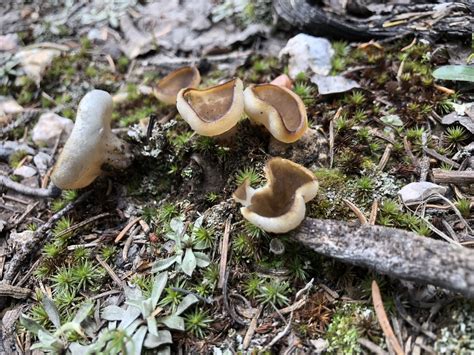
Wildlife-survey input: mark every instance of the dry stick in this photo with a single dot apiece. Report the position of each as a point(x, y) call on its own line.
point(331, 136)
point(373, 211)
point(441, 176)
point(251, 330)
point(371, 346)
point(19, 293)
point(110, 271)
point(224, 251)
point(438, 156)
point(394, 252)
point(33, 245)
point(385, 157)
point(51, 191)
point(383, 320)
point(356, 210)
point(126, 229)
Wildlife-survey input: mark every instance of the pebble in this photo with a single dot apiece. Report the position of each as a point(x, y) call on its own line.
point(49, 127)
point(416, 192)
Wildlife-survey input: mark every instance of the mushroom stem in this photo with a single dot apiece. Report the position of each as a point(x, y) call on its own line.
point(51, 192)
point(92, 148)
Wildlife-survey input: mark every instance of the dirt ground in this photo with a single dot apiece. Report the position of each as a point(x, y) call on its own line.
point(157, 257)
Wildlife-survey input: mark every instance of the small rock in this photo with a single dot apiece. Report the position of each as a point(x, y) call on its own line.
point(20, 239)
point(333, 84)
point(465, 121)
point(42, 162)
point(308, 53)
point(416, 192)
point(320, 345)
point(49, 127)
point(8, 42)
point(8, 105)
point(25, 171)
point(34, 61)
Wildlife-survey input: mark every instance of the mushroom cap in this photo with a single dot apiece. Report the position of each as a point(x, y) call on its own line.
point(167, 88)
point(88, 145)
point(279, 109)
point(280, 205)
point(213, 111)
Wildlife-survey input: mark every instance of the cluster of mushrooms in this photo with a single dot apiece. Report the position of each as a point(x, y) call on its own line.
point(277, 207)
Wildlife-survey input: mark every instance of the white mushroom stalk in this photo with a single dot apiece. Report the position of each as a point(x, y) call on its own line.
point(92, 148)
point(279, 109)
point(280, 205)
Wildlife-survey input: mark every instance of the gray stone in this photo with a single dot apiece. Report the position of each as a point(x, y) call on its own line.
point(333, 84)
point(416, 192)
point(25, 171)
point(308, 53)
point(49, 127)
point(42, 162)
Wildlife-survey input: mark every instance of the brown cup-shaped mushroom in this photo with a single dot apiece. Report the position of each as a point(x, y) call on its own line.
point(279, 109)
point(213, 111)
point(167, 88)
point(280, 205)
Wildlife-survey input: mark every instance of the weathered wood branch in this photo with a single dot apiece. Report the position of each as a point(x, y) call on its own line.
point(441, 176)
point(393, 252)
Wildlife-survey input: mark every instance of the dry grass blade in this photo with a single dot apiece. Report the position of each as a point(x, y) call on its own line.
point(110, 271)
point(383, 320)
point(356, 210)
point(126, 229)
point(224, 251)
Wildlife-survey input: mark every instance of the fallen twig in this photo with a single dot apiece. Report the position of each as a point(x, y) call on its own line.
point(441, 176)
point(394, 252)
point(14, 291)
point(110, 271)
point(39, 237)
point(356, 210)
point(383, 320)
point(251, 329)
point(224, 251)
point(52, 191)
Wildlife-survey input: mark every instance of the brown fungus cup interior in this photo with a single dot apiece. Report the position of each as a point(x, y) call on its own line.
point(283, 179)
point(177, 80)
point(283, 102)
point(211, 104)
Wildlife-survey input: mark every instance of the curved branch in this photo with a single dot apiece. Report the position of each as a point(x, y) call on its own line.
point(393, 252)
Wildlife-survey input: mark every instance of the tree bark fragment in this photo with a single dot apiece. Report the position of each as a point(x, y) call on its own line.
point(394, 252)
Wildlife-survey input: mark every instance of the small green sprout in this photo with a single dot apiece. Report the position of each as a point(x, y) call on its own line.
point(59, 230)
point(359, 115)
point(274, 292)
point(455, 135)
point(167, 212)
point(204, 237)
point(63, 279)
point(341, 48)
point(251, 174)
point(81, 253)
point(85, 274)
point(306, 92)
point(252, 286)
point(198, 322)
point(357, 98)
point(108, 252)
point(365, 184)
point(52, 250)
point(464, 207)
point(212, 197)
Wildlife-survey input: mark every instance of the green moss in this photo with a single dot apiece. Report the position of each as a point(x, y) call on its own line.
point(122, 64)
point(330, 178)
point(16, 158)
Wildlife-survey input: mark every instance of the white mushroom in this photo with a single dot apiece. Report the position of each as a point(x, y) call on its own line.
point(92, 148)
point(280, 205)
